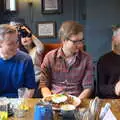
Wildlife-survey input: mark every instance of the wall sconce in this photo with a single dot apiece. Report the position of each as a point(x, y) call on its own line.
point(30, 2)
point(10, 5)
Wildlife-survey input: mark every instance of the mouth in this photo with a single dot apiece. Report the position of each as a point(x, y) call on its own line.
point(76, 50)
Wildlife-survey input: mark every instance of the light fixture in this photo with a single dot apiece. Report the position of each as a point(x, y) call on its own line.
point(30, 2)
point(10, 5)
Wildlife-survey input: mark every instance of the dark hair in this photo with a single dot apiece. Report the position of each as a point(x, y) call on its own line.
point(21, 47)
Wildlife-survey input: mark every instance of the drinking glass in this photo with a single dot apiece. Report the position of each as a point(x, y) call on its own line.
point(22, 92)
point(18, 112)
point(3, 109)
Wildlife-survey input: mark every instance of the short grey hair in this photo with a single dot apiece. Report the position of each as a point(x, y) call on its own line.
point(6, 29)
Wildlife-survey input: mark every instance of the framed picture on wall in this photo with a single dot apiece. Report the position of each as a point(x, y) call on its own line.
point(46, 29)
point(51, 6)
point(10, 5)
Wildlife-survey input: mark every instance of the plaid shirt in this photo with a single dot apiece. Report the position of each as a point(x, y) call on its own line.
point(60, 77)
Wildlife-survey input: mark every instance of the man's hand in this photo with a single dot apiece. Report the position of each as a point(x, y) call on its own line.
point(45, 91)
point(86, 93)
point(29, 93)
point(117, 88)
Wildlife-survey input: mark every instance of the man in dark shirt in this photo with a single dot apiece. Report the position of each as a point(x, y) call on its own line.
point(108, 83)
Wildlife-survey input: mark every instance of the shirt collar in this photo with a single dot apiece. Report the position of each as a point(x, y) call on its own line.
point(61, 54)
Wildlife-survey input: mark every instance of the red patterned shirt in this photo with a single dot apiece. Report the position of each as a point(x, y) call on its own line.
point(61, 77)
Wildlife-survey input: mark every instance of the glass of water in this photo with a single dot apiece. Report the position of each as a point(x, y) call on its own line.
point(22, 92)
point(18, 111)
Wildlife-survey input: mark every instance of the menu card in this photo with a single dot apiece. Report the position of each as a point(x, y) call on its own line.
point(109, 116)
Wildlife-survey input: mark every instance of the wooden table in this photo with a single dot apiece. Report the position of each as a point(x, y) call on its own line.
point(115, 107)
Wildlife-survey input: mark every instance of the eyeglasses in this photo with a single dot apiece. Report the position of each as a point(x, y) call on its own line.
point(77, 41)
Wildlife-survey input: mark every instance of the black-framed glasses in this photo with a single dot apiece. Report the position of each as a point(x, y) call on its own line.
point(77, 41)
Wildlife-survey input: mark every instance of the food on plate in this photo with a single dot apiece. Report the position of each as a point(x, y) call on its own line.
point(58, 100)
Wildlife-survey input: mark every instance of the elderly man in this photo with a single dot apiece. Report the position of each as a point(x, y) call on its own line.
point(67, 69)
point(16, 67)
point(108, 84)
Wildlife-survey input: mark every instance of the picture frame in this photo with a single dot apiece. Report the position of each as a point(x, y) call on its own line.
point(51, 6)
point(10, 5)
point(46, 29)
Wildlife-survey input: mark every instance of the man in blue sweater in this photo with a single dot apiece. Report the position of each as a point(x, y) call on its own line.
point(16, 67)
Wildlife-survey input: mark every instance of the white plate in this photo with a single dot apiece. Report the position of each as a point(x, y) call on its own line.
point(76, 102)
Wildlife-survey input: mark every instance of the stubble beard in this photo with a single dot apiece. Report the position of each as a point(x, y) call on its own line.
point(116, 47)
